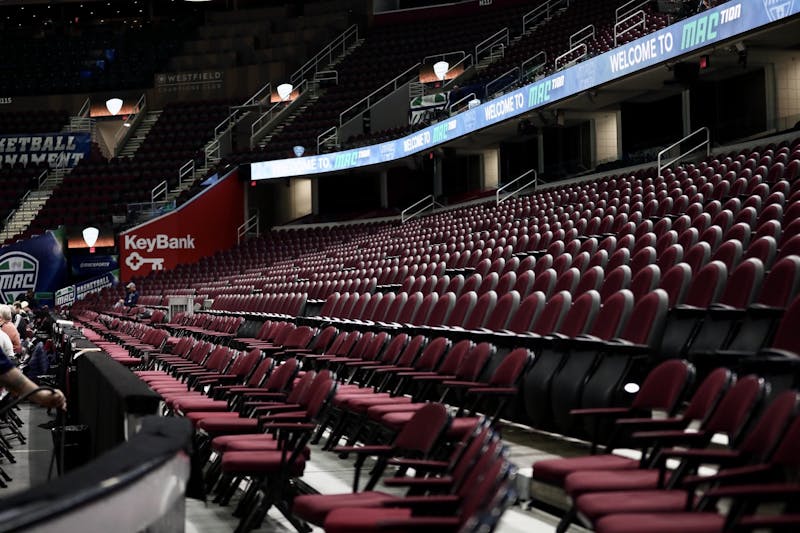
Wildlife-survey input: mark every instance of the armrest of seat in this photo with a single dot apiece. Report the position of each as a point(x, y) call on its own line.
point(757, 491)
point(419, 482)
point(650, 424)
point(419, 465)
point(671, 437)
point(739, 474)
point(493, 391)
point(442, 502)
point(372, 449)
point(607, 412)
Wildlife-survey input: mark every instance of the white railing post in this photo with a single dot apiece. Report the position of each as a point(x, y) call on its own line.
point(367, 101)
point(525, 73)
point(706, 142)
point(466, 98)
point(417, 208)
point(535, 181)
point(500, 36)
point(158, 191)
point(500, 78)
point(642, 21)
point(247, 226)
point(187, 169)
point(579, 46)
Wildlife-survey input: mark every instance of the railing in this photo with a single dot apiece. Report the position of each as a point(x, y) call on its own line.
point(525, 73)
point(86, 109)
point(581, 46)
point(187, 169)
point(706, 143)
point(42, 178)
point(331, 134)
point(132, 122)
point(507, 77)
point(582, 35)
point(488, 44)
point(541, 12)
point(467, 98)
point(142, 211)
point(159, 191)
point(213, 151)
point(248, 225)
point(500, 198)
point(327, 75)
point(443, 56)
point(325, 56)
point(378, 94)
point(416, 209)
point(642, 21)
point(258, 127)
point(629, 7)
point(465, 62)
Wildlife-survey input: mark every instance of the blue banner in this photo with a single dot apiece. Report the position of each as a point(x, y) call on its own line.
point(723, 22)
point(72, 293)
point(89, 265)
point(38, 264)
point(57, 150)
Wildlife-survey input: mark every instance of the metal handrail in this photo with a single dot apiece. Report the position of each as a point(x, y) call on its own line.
point(368, 99)
point(527, 184)
point(430, 203)
point(524, 73)
point(248, 225)
point(188, 168)
point(213, 151)
point(570, 51)
point(86, 108)
point(469, 97)
point(325, 136)
point(133, 121)
point(542, 11)
point(500, 36)
point(158, 191)
point(642, 23)
point(501, 77)
point(462, 62)
point(624, 9)
point(340, 40)
point(444, 55)
point(327, 75)
point(42, 178)
point(581, 35)
point(706, 143)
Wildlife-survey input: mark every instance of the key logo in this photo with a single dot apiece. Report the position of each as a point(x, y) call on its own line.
point(19, 272)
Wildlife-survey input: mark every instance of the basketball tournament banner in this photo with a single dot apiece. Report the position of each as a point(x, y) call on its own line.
point(57, 150)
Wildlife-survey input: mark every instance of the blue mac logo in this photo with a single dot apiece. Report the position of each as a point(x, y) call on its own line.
point(777, 9)
point(18, 273)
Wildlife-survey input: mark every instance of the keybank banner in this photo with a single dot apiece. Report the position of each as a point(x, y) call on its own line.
point(36, 263)
point(69, 295)
point(58, 150)
point(720, 23)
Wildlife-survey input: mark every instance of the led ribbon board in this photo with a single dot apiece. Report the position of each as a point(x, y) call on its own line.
point(718, 24)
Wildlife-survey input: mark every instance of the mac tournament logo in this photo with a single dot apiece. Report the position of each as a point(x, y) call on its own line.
point(778, 9)
point(18, 273)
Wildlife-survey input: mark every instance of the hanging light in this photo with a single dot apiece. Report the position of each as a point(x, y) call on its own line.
point(114, 105)
point(440, 68)
point(90, 235)
point(285, 91)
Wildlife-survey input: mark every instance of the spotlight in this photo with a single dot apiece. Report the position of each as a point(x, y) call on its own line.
point(440, 69)
point(90, 235)
point(285, 91)
point(114, 105)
